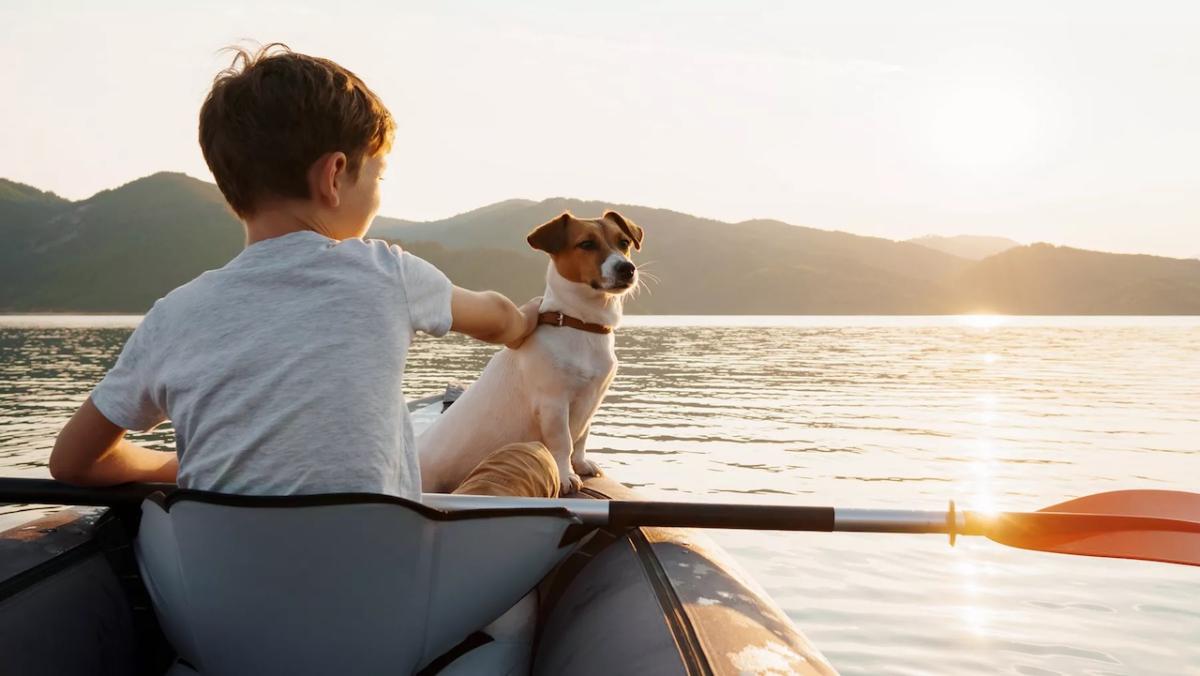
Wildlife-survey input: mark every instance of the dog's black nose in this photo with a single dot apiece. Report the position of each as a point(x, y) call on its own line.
point(625, 270)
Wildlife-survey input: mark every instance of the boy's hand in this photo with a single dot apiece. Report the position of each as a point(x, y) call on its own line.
point(529, 312)
point(492, 318)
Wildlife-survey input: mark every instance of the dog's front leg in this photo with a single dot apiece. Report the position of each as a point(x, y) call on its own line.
point(579, 460)
point(554, 423)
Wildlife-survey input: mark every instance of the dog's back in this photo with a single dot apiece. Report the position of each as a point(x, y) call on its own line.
point(490, 413)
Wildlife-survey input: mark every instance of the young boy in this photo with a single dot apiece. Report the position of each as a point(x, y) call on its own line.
point(282, 371)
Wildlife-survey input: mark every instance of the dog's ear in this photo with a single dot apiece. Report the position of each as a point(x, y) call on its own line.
point(628, 227)
point(550, 236)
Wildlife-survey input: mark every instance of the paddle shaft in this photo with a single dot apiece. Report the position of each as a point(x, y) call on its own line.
point(617, 514)
point(626, 513)
point(14, 490)
point(1152, 525)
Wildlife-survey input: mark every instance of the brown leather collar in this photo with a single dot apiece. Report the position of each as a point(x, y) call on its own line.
point(559, 319)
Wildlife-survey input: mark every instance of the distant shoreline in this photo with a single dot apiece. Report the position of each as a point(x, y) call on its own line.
point(667, 314)
point(978, 321)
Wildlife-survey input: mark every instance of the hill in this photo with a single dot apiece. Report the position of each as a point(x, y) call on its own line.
point(117, 251)
point(974, 247)
point(1054, 280)
point(20, 205)
point(121, 249)
point(704, 266)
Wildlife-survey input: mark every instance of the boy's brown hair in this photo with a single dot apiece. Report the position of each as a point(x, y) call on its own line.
point(272, 113)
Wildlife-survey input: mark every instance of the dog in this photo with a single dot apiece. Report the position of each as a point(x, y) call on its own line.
point(548, 389)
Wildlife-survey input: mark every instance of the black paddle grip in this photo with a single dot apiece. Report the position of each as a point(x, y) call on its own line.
point(701, 515)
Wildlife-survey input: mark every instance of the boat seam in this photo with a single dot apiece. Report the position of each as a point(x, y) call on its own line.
point(680, 625)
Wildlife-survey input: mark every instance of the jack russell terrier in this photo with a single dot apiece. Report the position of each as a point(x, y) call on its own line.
point(548, 389)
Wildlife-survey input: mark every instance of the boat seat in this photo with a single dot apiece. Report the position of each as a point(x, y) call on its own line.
point(325, 584)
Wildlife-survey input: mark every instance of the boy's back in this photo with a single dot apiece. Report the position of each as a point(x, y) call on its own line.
point(283, 371)
point(280, 369)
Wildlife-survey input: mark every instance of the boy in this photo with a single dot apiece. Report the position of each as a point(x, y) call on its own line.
point(282, 371)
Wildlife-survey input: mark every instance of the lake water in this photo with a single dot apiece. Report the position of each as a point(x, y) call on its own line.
point(1005, 413)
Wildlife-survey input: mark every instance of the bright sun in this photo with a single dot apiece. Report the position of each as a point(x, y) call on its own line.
point(983, 128)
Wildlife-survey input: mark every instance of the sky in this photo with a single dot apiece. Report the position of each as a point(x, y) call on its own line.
point(1075, 123)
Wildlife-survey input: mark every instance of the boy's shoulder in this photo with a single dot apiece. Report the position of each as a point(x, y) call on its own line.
point(299, 254)
point(300, 264)
point(377, 247)
point(390, 253)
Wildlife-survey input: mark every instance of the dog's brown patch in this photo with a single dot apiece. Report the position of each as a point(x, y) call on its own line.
point(579, 246)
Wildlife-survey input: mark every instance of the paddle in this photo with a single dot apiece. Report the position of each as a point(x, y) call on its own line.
point(1151, 525)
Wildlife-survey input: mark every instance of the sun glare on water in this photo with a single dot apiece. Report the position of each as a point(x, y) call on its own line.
point(983, 321)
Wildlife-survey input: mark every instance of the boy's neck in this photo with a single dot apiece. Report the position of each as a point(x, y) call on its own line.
point(284, 218)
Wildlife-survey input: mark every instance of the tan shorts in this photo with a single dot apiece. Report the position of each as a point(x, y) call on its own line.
point(520, 470)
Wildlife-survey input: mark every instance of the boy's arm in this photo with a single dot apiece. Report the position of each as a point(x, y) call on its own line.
point(491, 317)
point(92, 451)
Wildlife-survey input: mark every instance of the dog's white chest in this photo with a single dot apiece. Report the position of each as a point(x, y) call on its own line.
point(582, 359)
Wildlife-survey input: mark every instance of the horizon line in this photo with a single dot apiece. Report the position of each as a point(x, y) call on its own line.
point(1195, 256)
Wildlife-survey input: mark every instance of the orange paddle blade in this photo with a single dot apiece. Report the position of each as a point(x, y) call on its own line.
point(1147, 525)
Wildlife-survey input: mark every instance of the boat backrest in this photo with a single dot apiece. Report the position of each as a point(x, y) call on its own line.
point(328, 584)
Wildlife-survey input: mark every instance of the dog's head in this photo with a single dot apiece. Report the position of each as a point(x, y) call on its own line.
point(592, 251)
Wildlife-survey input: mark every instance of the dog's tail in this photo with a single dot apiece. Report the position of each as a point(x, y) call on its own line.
point(524, 469)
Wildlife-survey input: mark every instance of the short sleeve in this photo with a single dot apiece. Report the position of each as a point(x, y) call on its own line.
point(125, 395)
point(428, 292)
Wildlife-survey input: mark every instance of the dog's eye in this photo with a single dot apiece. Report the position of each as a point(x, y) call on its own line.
point(624, 243)
point(587, 245)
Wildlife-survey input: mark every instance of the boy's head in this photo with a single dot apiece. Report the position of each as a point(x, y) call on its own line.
point(280, 126)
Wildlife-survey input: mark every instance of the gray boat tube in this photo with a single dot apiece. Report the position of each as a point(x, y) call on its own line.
point(661, 600)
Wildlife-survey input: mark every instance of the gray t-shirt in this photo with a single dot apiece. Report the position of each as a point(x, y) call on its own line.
point(282, 371)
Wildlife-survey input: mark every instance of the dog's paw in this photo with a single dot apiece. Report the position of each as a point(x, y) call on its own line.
point(586, 467)
point(570, 484)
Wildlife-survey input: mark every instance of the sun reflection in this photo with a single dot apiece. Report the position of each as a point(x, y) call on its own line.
point(981, 497)
point(975, 617)
point(985, 449)
point(983, 321)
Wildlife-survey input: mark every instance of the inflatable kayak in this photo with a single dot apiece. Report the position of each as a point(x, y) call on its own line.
point(79, 591)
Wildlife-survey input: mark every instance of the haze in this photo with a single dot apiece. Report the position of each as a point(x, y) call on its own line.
point(1070, 122)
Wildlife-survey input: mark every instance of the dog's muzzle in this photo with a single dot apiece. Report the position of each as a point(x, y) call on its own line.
point(625, 271)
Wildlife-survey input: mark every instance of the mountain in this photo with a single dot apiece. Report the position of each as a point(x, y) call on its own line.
point(704, 266)
point(19, 205)
point(121, 249)
point(974, 247)
point(489, 226)
point(1048, 279)
point(117, 251)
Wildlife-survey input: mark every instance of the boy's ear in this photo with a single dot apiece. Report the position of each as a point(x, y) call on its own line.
point(633, 230)
point(550, 236)
point(327, 178)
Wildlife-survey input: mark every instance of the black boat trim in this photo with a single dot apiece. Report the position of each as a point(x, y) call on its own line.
point(471, 642)
point(687, 641)
point(168, 500)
